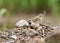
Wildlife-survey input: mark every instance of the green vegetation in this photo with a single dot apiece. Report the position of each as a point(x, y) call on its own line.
point(23, 5)
point(29, 5)
point(55, 7)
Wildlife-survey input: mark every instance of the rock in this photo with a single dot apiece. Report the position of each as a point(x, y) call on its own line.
point(29, 41)
point(18, 41)
point(39, 28)
point(37, 24)
point(4, 35)
point(21, 37)
point(2, 40)
point(10, 41)
point(38, 40)
point(22, 23)
point(24, 30)
point(31, 32)
point(8, 32)
point(27, 38)
point(18, 31)
point(13, 37)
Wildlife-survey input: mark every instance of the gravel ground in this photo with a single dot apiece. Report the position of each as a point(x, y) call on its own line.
point(29, 31)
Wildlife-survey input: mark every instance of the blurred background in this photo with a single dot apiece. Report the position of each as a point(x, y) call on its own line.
point(12, 11)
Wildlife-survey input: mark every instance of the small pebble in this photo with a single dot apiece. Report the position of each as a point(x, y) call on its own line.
point(13, 37)
point(31, 32)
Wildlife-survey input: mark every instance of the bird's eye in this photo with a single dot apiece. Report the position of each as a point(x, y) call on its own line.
point(29, 21)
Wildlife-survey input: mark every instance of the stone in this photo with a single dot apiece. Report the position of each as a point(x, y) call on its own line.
point(10, 41)
point(31, 32)
point(13, 37)
point(21, 23)
point(39, 28)
point(38, 40)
